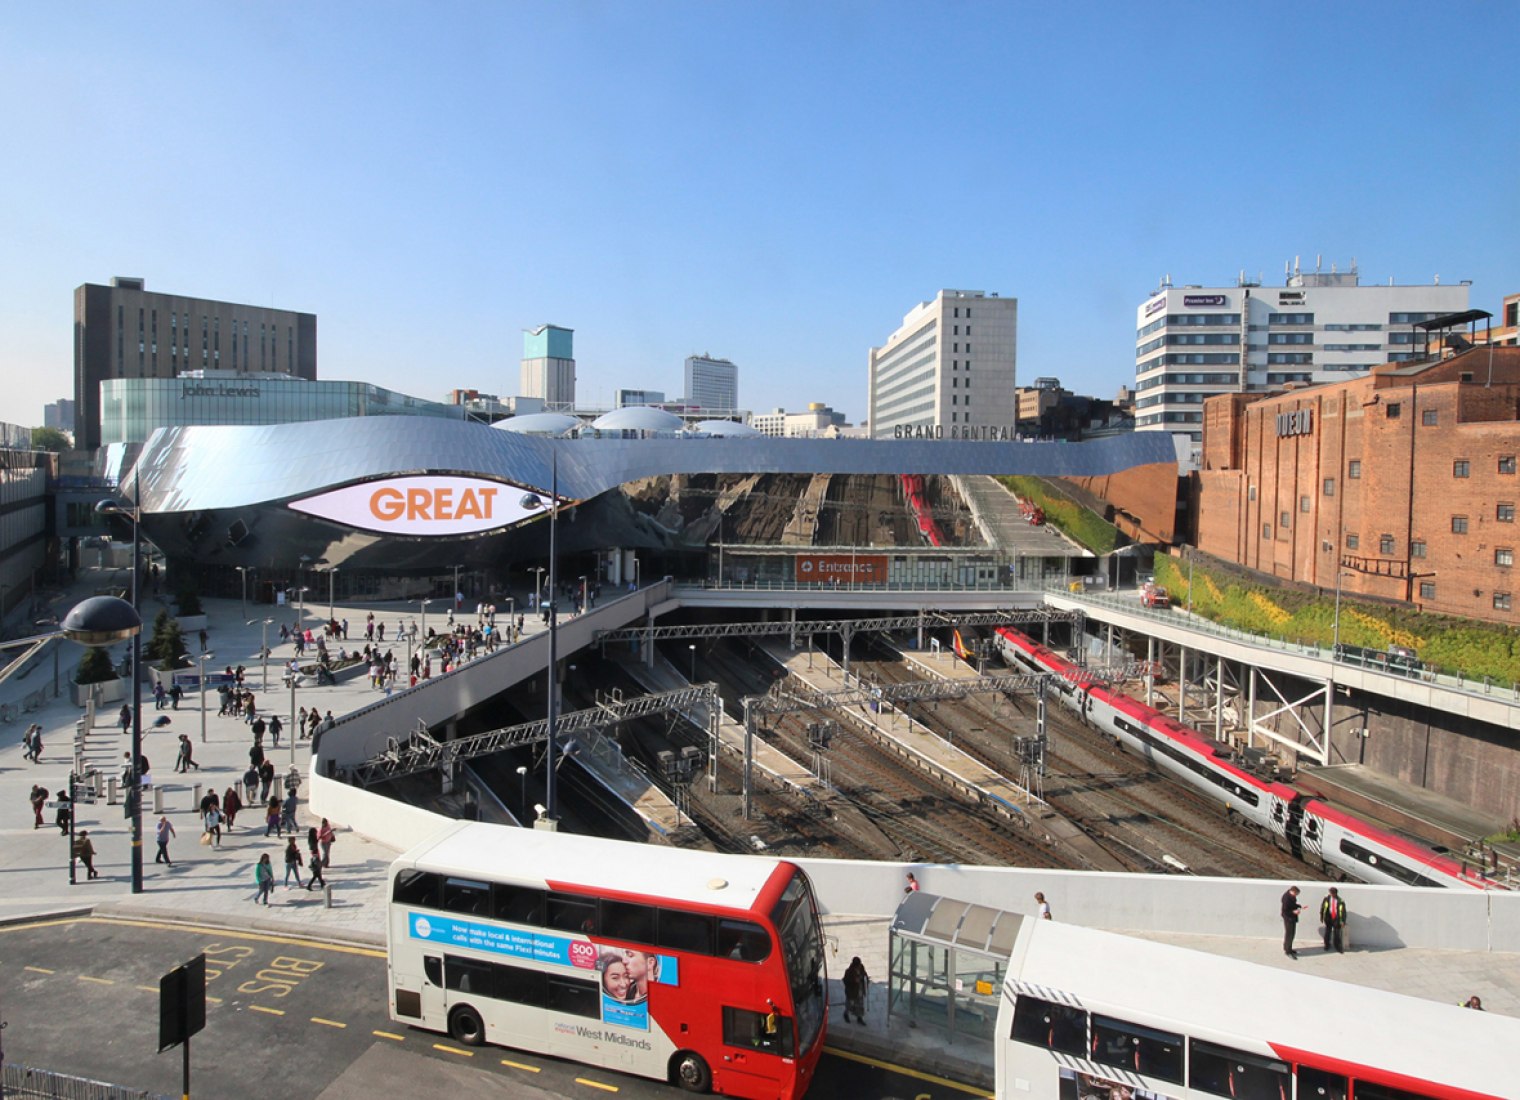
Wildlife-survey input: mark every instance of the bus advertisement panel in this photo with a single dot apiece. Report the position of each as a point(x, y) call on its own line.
point(669, 985)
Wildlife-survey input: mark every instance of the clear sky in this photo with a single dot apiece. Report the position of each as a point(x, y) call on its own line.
point(776, 183)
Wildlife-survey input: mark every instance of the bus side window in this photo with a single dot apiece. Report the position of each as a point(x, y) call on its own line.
point(623, 920)
point(765, 1031)
point(739, 939)
point(682, 931)
point(416, 888)
point(469, 976)
point(1238, 1074)
point(1316, 1084)
point(518, 904)
point(432, 969)
point(1051, 1025)
point(570, 913)
point(462, 895)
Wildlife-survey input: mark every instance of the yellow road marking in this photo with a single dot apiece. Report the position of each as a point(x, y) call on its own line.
point(595, 1084)
point(389, 1035)
point(169, 926)
point(906, 1072)
point(328, 1023)
point(38, 970)
point(149, 989)
point(270, 1011)
point(522, 1066)
point(453, 1050)
point(97, 981)
point(209, 999)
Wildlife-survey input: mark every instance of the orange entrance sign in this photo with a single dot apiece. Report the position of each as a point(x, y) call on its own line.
point(841, 568)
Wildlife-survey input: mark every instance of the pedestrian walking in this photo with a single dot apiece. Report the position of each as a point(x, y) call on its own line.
point(1290, 911)
point(251, 784)
point(213, 820)
point(31, 740)
point(186, 759)
point(325, 837)
point(1332, 915)
point(293, 780)
point(160, 697)
point(315, 865)
point(272, 818)
point(231, 804)
point(84, 851)
point(255, 754)
point(204, 639)
point(275, 726)
point(312, 844)
point(39, 800)
point(292, 862)
point(266, 778)
point(162, 832)
point(176, 693)
point(263, 879)
point(65, 812)
point(288, 812)
point(124, 718)
point(1042, 907)
point(857, 984)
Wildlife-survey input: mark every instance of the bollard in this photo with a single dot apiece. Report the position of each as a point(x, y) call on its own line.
point(196, 796)
point(111, 791)
point(327, 894)
point(158, 800)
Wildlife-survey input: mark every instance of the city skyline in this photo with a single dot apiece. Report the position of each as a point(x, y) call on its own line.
point(779, 185)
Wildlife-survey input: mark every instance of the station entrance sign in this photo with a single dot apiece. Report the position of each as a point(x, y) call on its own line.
point(842, 568)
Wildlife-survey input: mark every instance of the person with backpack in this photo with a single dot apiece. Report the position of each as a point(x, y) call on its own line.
point(263, 879)
point(857, 984)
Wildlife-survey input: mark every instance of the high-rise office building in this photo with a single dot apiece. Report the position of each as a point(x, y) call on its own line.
point(712, 383)
point(548, 366)
point(948, 372)
point(127, 331)
point(1194, 342)
point(59, 414)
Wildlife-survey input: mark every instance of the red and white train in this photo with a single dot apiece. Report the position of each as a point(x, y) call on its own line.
point(1313, 830)
point(1090, 1015)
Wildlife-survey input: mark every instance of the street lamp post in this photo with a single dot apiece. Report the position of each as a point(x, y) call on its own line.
point(424, 605)
point(204, 658)
point(635, 571)
point(538, 583)
point(455, 597)
point(693, 649)
point(1335, 630)
point(305, 561)
point(332, 576)
point(522, 782)
point(585, 604)
point(263, 653)
point(243, 574)
point(530, 501)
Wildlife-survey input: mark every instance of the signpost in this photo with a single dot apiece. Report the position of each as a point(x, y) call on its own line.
point(182, 1009)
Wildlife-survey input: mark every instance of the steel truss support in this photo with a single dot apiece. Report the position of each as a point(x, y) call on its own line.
point(701, 631)
point(1315, 743)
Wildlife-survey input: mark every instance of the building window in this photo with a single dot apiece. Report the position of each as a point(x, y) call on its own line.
point(1427, 590)
point(1501, 601)
point(1329, 486)
point(1285, 519)
point(1460, 468)
point(1304, 503)
point(1506, 464)
point(1428, 417)
point(1459, 525)
point(1353, 542)
point(1417, 548)
point(1395, 409)
point(1504, 556)
point(1251, 492)
point(1385, 544)
point(1505, 513)
point(1266, 530)
point(1354, 469)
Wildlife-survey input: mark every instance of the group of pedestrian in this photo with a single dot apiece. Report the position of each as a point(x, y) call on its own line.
point(31, 743)
point(1332, 917)
point(319, 842)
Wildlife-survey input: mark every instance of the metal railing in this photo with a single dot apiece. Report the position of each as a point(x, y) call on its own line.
point(26, 1083)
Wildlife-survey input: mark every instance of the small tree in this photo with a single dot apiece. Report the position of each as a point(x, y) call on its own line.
point(189, 602)
point(167, 643)
point(95, 668)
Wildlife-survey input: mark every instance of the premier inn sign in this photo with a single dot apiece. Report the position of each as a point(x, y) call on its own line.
point(424, 506)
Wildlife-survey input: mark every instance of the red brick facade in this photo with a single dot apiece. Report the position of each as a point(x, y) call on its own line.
point(1406, 479)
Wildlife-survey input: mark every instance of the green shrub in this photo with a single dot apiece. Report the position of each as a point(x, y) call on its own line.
point(1078, 523)
point(95, 668)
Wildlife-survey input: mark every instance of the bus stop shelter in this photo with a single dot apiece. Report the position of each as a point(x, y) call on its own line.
point(947, 961)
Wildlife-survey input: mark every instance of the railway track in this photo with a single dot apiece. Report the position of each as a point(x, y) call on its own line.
point(1139, 814)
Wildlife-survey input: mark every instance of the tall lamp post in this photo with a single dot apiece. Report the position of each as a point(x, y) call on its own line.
point(532, 501)
point(204, 658)
point(584, 603)
point(243, 573)
point(263, 651)
point(424, 604)
point(538, 584)
point(332, 576)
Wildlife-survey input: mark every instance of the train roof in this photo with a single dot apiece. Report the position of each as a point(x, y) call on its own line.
point(503, 851)
point(1161, 985)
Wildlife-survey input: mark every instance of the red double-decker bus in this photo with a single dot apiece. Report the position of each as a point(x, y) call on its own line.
point(701, 969)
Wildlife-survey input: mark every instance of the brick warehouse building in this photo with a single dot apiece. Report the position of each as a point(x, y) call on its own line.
point(1405, 479)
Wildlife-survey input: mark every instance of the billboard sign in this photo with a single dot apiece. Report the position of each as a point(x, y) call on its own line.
point(841, 568)
point(425, 505)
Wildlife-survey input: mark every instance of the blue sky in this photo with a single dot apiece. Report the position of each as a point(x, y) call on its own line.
point(773, 183)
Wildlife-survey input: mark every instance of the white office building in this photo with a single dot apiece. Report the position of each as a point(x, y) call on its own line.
point(819, 420)
point(548, 366)
point(948, 372)
point(1194, 342)
point(712, 383)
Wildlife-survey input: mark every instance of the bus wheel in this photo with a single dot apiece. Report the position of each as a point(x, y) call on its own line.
point(692, 1073)
point(466, 1026)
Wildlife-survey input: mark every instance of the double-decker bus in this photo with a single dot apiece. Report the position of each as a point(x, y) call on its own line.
point(704, 970)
